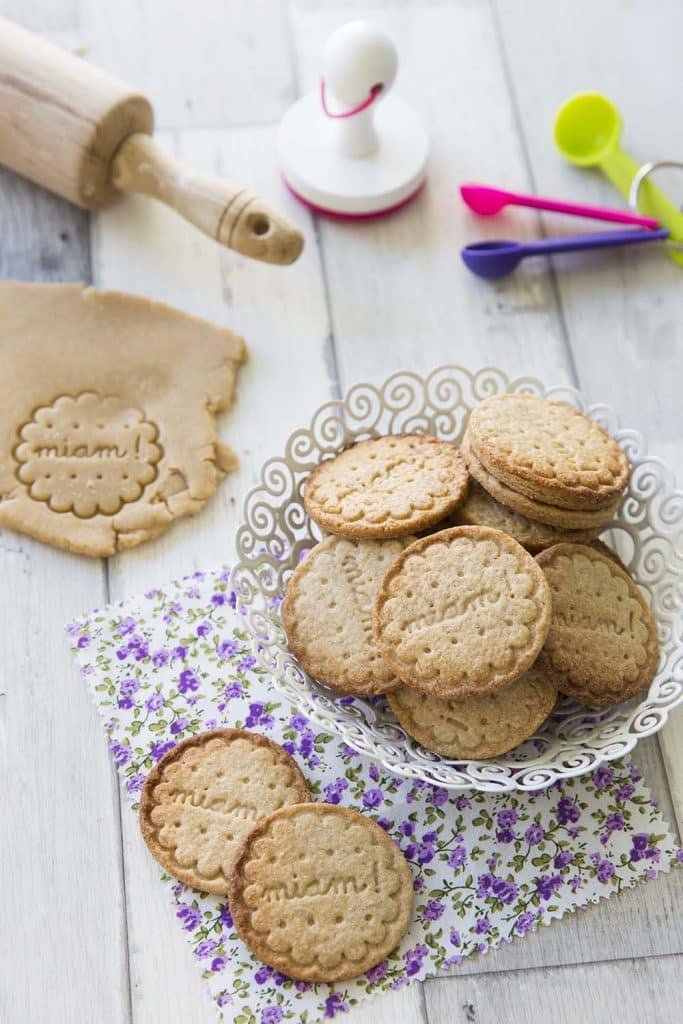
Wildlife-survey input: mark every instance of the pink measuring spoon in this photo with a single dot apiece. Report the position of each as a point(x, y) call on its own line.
point(486, 200)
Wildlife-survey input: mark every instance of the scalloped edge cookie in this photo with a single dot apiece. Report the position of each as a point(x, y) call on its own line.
point(341, 500)
point(165, 855)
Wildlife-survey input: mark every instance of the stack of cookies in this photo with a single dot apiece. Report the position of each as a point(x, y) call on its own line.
point(546, 465)
point(317, 891)
point(426, 589)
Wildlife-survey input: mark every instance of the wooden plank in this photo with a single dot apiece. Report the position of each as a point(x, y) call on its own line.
point(396, 284)
point(622, 312)
point(627, 992)
point(230, 67)
point(400, 296)
point(145, 248)
point(63, 899)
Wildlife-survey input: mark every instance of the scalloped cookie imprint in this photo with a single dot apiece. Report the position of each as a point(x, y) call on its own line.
point(320, 892)
point(107, 426)
point(540, 511)
point(205, 795)
point(602, 647)
point(547, 450)
point(327, 613)
point(481, 509)
point(387, 487)
point(87, 454)
point(462, 612)
point(476, 727)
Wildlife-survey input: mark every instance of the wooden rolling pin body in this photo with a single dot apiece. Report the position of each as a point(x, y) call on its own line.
point(86, 136)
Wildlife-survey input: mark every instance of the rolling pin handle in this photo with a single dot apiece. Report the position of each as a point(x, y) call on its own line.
point(228, 213)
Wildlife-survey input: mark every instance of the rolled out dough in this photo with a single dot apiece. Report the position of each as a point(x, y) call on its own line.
point(107, 428)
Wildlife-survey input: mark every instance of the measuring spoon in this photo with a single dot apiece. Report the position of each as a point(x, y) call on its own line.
point(487, 201)
point(587, 133)
point(496, 259)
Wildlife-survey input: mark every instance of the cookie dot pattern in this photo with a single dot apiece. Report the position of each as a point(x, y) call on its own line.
point(203, 797)
point(87, 455)
point(602, 646)
point(476, 727)
point(387, 487)
point(320, 892)
point(549, 449)
point(327, 613)
point(462, 612)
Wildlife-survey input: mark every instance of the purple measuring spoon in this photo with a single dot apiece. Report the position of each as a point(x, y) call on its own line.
point(496, 259)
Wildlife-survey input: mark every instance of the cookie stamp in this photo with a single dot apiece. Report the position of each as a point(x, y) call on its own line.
point(476, 727)
point(203, 796)
point(320, 892)
point(602, 647)
point(462, 612)
point(387, 487)
point(327, 613)
point(87, 454)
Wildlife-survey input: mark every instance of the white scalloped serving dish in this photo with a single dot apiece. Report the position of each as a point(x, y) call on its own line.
point(648, 534)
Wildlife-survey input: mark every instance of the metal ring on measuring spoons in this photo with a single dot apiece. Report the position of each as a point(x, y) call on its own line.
point(642, 175)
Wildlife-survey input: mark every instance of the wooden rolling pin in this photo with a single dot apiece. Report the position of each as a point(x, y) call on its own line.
point(86, 136)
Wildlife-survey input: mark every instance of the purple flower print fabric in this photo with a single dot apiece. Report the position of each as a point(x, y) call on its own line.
point(486, 868)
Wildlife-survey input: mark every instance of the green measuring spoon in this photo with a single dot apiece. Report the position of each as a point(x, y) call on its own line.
point(587, 132)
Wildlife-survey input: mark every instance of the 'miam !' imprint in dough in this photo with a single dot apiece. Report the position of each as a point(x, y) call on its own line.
point(87, 454)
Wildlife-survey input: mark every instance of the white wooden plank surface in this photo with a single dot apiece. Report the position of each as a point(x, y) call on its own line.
point(398, 298)
point(208, 65)
point(631, 992)
point(60, 841)
point(622, 314)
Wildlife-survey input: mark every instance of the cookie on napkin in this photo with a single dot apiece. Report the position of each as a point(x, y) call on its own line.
point(107, 429)
point(547, 450)
point(320, 892)
point(602, 647)
point(327, 613)
point(476, 727)
point(387, 487)
point(462, 612)
point(204, 796)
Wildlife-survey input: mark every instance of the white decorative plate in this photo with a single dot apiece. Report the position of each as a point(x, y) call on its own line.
point(648, 534)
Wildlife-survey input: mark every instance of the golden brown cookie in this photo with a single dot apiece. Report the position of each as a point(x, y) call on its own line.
point(203, 797)
point(462, 612)
point(320, 892)
point(552, 515)
point(107, 432)
point(602, 647)
point(387, 487)
point(476, 727)
point(327, 613)
point(547, 450)
point(481, 509)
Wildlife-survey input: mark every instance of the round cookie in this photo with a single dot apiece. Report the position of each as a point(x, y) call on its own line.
point(203, 797)
point(481, 509)
point(602, 646)
point(552, 515)
point(387, 487)
point(547, 450)
point(462, 612)
point(320, 892)
point(327, 613)
point(476, 727)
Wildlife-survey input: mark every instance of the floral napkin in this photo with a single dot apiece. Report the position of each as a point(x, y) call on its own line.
point(176, 661)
